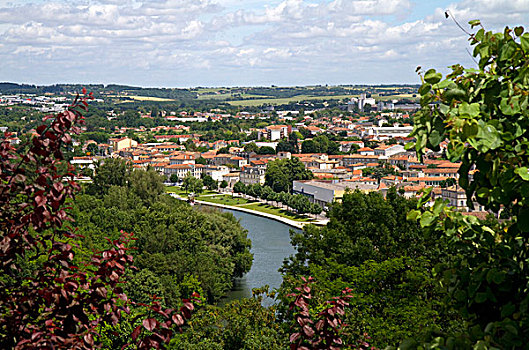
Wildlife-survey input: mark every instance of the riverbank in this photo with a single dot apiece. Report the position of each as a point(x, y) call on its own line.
point(289, 222)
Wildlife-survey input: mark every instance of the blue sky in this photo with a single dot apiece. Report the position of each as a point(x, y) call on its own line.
point(186, 43)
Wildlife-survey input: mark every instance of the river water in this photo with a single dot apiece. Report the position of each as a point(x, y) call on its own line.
point(270, 246)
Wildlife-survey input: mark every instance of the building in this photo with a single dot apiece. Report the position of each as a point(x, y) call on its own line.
point(252, 175)
point(457, 198)
point(121, 143)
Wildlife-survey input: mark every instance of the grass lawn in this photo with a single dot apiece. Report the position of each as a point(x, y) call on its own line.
point(265, 208)
point(225, 199)
point(180, 191)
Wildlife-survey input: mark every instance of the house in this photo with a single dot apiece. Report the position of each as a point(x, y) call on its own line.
point(457, 198)
point(275, 132)
point(183, 159)
point(252, 175)
point(120, 143)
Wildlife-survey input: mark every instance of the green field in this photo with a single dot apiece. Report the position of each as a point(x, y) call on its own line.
point(280, 101)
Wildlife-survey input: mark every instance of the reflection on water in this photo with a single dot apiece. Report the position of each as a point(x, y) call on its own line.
point(270, 246)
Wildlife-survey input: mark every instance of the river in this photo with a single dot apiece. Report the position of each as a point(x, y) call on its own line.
point(270, 246)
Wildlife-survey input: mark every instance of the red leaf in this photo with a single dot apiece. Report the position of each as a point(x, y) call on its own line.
point(178, 320)
point(150, 324)
point(136, 333)
point(294, 337)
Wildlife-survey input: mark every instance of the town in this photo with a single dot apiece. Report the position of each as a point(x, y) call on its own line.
point(361, 145)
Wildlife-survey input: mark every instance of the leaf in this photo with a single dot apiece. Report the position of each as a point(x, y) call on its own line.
point(524, 40)
point(523, 172)
point(136, 332)
point(507, 310)
point(425, 88)
point(518, 31)
point(412, 215)
point(294, 337)
point(474, 22)
point(432, 77)
point(149, 324)
point(427, 218)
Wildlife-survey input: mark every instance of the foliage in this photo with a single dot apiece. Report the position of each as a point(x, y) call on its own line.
point(251, 147)
point(281, 173)
point(320, 144)
point(174, 178)
point(379, 172)
point(266, 150)
point(192, 184)
point(110, 172)
point(370, 247)
point(324, 331)
point(49, 296)
point(210, 183)
point(291, 145)
point(483, 113)
point(241, 324)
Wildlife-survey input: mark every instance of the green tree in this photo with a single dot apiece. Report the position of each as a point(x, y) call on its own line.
point(174, 178)
point(281, 173)
point(483, 113)
point(224, 184)
point(239, 187)
point(251, 147)
point(369, 246)
point(285, 145)
point(201, 160)
point(192, 184)
point(146, 184)
point(210, 183)
point(266, 150)
point(110, 172)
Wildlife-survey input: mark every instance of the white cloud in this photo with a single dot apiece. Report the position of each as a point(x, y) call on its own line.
point(216, 42)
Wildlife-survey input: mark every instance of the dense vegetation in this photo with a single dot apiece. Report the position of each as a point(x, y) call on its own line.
point(175, 243)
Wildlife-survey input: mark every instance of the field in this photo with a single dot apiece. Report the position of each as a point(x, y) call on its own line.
point(279, 101)
point(143, 98)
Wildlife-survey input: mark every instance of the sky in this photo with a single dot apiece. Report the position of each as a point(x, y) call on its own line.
point(191, 43)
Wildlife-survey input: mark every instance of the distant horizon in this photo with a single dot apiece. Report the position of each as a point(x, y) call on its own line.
point(228, 43)
point(206, 87)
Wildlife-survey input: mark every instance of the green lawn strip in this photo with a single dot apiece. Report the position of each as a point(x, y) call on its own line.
point(178, 190)
point(224, 199)
point(266, 208)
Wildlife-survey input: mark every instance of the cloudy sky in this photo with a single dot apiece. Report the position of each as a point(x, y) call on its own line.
point(187, 43)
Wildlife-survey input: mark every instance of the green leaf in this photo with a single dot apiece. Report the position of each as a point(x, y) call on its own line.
point(480, 298)
point(427, 218)
point(425, 88)
point(518, 31)
point(412, 215)
point(432, 77)
point(471, 110)
point(435, 138)
point(507, 310)
point(524, 40)
point(474, 22)
point(523, 172)
point(510, 106)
